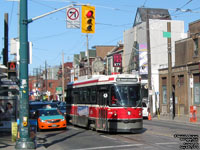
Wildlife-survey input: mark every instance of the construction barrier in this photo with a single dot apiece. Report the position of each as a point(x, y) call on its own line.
point(149, 116)
point(193, 114)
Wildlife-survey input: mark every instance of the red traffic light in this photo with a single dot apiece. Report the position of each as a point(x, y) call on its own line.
point(89, 14)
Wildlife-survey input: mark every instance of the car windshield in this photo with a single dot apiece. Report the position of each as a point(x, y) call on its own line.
point(126, 95)
point(62, 107)
point(48, 112)
point(144, 105)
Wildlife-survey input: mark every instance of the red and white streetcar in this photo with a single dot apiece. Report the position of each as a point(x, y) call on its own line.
point(106, 103)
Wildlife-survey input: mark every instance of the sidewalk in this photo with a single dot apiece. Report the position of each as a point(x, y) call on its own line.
point(7, 144)
point(176, 120)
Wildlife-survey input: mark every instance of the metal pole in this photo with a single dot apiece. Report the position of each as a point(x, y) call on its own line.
point(46, 86)
point(149, 64)
point(170, 70)
point(63, 78)
point(5, 50)
point(88, 57)
point(24, 141)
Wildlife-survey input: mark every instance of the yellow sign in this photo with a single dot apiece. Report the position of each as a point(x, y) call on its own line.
point(14, 131)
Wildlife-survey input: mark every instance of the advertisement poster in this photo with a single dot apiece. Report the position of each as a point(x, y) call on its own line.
point(143, 60)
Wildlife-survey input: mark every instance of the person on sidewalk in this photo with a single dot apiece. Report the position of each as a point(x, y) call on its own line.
point(2, 111)
point(9, 111)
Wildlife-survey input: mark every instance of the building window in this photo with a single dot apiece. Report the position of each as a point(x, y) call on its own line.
point(196, 47)
point(196, 85)
point(109, 66)
point(164, 92)
point(50, 84)
point(197, 93)
point(180, 80)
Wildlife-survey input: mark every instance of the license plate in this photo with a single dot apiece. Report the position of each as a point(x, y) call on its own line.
point(54, 125)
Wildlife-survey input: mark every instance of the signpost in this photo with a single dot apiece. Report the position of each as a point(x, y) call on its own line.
point(73, 19)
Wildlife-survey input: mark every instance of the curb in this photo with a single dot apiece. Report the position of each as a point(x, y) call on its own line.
point(197, 124)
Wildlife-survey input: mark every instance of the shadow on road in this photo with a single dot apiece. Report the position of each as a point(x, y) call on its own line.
point(46, 145)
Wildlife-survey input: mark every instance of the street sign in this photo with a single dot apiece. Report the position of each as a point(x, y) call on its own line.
point(167, 34)
point(73, 18)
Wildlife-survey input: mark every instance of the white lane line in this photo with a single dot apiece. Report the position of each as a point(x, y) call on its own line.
point(108, 137)
point(167, 143)
point(105, 147)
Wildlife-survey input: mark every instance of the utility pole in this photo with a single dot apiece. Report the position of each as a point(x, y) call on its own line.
point(170, 70)
point(88, 57)
point(63, 78)
point(46, 87)
point(24, 141)
point(149, 62)
point(5, 49)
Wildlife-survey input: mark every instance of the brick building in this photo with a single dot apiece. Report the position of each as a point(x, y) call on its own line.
point(185, 78)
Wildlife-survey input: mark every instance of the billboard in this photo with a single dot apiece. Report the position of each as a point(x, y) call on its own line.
point(143, 59)
point(117, 60)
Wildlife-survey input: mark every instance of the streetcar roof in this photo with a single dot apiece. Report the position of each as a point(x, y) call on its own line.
point(106, 79)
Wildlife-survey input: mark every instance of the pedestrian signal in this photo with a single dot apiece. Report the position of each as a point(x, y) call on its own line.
point(12, 66)
point(88, 19)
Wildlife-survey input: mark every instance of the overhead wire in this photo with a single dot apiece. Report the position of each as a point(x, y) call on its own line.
point(177, 9)
point(126, 11)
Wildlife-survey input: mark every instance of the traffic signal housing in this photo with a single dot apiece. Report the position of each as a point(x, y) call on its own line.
point(12, 71)
point(88, 19)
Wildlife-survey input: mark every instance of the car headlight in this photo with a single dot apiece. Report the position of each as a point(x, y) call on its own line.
point(63, 120)
point(42, 120)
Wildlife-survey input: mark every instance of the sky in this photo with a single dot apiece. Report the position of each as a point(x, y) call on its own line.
point(51, 37)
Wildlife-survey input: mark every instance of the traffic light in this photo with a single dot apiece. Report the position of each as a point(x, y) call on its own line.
point(88, 19)
point(12, 71)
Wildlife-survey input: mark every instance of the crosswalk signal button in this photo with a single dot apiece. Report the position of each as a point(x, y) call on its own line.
point(88, 19)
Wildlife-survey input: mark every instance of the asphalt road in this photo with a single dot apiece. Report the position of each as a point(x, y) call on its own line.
point(156, 135)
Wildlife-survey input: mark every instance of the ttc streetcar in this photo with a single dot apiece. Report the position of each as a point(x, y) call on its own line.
point(106, 103)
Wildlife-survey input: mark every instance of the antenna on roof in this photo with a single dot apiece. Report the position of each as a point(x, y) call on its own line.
point(144, 3)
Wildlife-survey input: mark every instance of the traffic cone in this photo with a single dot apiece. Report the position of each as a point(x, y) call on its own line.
point(149, 116)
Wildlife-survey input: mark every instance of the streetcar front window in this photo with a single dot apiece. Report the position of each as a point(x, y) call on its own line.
point(127, 96)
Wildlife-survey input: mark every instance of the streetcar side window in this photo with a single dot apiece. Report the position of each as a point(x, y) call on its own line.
point(80, 96)
point(85, 96)
point(93, 95)
point(76, 96)
point(113, 96)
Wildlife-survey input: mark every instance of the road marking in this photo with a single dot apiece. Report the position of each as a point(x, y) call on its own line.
point(108, 137)
point(169, 143)
point(106, 147)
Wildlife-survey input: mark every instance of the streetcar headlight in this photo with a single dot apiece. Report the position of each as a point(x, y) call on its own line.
point(129, 113)
point(115, 114)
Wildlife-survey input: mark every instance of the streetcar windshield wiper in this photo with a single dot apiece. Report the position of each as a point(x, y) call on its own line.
point(138, 104)
point(120, 97)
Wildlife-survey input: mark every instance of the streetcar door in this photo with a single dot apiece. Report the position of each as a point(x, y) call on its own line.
point(74, 110)
point(103, 101)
